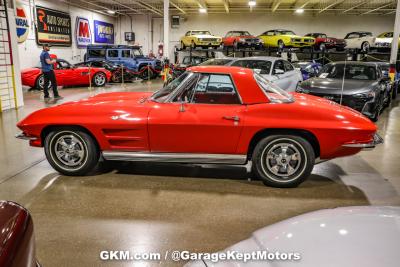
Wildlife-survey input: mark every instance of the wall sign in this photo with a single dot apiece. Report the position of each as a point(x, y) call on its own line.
point(82, 32)
point(21, 20)
point(103, 32)
point(53, 27)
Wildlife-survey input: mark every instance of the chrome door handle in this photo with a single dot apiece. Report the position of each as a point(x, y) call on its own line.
point(231, 118)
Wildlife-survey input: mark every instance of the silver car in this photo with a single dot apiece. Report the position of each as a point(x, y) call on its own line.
point(275, 69)
point(346, 237)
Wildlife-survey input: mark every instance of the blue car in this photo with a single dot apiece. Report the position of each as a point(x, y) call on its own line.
point(131, 57)
point(308, 69)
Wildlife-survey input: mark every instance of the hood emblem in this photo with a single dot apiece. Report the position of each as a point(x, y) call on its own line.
point(114, 117)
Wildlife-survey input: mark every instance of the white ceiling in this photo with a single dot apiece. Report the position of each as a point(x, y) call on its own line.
point(311, 7)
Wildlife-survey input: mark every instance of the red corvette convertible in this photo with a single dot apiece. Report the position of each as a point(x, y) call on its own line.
point(240, 39)
point(66, 75)
point(209, 114)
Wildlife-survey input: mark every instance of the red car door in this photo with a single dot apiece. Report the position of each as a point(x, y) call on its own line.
point(210, 122)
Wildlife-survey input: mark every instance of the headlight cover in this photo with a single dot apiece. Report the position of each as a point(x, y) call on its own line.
point(365, 95)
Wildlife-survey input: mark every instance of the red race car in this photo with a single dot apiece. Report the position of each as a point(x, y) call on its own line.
point(209, 114)
point(322, 42)
point(66, 75)
point(241, 39)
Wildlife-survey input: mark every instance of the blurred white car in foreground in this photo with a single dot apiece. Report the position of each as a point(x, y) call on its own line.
point(346, 237)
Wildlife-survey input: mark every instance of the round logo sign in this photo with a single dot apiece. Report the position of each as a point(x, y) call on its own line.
point(21, 20)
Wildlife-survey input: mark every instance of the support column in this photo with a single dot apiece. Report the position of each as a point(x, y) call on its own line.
point(395, 41)
point(166, 29)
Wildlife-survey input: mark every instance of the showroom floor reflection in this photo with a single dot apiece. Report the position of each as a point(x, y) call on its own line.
point(159, 207)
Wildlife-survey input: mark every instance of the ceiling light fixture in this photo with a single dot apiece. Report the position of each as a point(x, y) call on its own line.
point(299, 11)
point(252, 3)
point(202, 10)
point(111, 12)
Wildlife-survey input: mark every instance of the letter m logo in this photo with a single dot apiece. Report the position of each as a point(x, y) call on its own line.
point(84, 29)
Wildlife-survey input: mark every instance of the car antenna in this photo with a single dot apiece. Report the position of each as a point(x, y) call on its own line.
point(344, 73)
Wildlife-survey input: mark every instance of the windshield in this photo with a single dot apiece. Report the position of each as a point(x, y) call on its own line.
point(285, 32)
point(163, 94)
point(273, 92)
point(137, 52)
point(353, 72)
point(241, 33)
point(216, 62)
point(201, 33)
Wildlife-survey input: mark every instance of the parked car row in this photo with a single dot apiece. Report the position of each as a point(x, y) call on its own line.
point(102, 64)
point(281, 38)
point(363, 86)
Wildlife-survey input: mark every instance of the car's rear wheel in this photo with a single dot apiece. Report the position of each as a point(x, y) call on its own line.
point(40, 83)
point(283, 160)
point(71, 151)
point(145, 73)
point(99, 79)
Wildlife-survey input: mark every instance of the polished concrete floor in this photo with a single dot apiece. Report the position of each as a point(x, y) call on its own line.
point(159, 207)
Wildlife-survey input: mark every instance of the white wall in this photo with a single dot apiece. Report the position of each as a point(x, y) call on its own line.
point(29, 51)
point(257, 23)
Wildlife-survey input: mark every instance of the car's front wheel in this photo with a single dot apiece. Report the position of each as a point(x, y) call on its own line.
point(99, 79)
point(40, 82)
point(283, 160)
point(71, 151)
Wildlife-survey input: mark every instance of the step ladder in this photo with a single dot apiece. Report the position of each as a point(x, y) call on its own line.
point(8, 97)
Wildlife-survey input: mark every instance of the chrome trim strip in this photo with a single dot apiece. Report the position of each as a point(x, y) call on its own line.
point(376, 141)
point(23, 136)
point(176, 157)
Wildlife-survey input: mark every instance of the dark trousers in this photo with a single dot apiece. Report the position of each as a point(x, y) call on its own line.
point(50, 76)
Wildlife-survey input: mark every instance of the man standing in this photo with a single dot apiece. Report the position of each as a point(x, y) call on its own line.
point(48, 73)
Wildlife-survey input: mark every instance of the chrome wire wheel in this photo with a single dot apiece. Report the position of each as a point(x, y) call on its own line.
point(68, 150)
point(99, 79)
point(282, 159)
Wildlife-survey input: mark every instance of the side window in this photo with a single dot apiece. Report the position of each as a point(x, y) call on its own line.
point(187, 34)
point(126, 53)
point(263, 66)
point(215, 89)
point(279, 67)
point(271, 33)
point(112, 53)
point(288, 66)
point(97, 53)
point(239, 63)
point(62, 65)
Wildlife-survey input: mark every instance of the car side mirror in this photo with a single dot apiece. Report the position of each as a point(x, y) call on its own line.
point(279, 71)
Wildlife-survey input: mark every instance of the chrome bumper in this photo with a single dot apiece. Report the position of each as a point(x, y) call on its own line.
point(23, 136)
point(376, 141)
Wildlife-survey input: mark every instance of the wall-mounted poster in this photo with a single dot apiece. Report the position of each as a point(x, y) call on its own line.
point(103, 32)
point(53, 27)
point(82, 32)
point(21, 21)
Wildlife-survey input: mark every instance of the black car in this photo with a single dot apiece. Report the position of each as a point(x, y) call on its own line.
point(188, 61)
point(359, 85)
point(115, 69)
